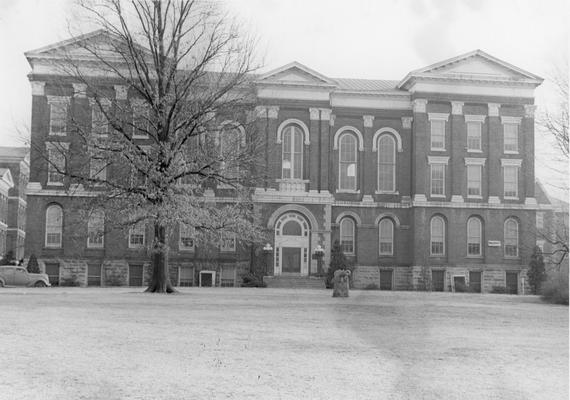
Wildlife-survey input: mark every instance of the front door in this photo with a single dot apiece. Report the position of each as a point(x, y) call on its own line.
point(135, 275)
point(475, 281)
point(386, 279)
point(291, 245)
point(512, 282)
point(438, 280)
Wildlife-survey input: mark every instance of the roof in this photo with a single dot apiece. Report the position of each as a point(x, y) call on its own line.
point(13, 152)
point(371, 85)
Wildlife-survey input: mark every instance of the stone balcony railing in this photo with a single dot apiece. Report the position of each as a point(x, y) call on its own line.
point(292, 185)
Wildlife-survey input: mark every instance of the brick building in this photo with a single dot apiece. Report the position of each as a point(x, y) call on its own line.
point(16, 160)
point(427, 182)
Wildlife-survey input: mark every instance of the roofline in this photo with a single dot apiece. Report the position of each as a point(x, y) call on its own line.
point(417, 72)
point(301, 67)
point(31, 53)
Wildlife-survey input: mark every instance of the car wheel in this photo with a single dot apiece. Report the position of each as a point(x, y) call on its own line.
point(40, 284)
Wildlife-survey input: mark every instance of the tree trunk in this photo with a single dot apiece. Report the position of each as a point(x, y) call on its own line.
point(160, 280)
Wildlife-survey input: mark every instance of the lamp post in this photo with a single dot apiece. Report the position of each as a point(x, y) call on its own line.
point(267, 250)
point(319, 253)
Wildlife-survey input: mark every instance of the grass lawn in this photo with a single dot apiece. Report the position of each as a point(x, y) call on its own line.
point(212, 343)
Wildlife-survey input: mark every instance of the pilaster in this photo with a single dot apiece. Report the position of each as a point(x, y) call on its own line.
point(494, 144)
point(420, 142)
point(527, 127)
point(458, 137)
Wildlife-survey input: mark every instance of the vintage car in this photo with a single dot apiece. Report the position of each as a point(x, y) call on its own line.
point(13, 275)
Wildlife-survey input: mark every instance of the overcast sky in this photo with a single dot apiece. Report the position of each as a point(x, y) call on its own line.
point(377, 39)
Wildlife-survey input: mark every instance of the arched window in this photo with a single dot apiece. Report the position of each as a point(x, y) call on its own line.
point(54, 226)
point(437, 236)
point(386, 164)
point(292, 160)
point(511, 238)
point(96, 229)
point(474, 236)
point(386, 229)
point(347, 162)
point(347, 235)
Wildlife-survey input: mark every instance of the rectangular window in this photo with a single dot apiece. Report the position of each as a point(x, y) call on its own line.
point(474, 180)
point(438, 135)
point(56, 163)
point(141, 121)
point(137, 236)
point(58, 118)
point(98, 168)
point(510, 176)
point(510, 136)
point(186, 237)
point(539, 220)
point(96, 230)
point(473, 136)
point(99, 120)
point(228, 245)
point(437, 179)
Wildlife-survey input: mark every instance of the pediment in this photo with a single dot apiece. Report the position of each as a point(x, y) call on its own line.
point(6, 176)
point(477, 66)
point(100, 42)
point(295, 73)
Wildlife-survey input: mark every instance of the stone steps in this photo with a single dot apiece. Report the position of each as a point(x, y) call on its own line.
point(295, 282)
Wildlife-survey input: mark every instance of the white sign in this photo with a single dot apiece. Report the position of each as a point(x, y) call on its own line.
point(494, 243)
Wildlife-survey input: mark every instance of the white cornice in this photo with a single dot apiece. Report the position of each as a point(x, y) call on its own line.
point(438, 160)
point(511, 162)
point(510, 120)
point(475, 161)
point(475, 118)
point(438, 116)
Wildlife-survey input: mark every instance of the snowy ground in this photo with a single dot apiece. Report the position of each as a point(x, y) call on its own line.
point(72, 343)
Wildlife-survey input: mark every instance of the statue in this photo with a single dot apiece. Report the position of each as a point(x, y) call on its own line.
point(341, 283)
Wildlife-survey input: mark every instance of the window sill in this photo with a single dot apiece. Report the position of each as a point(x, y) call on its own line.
point(95, 247)
point(54, 183)
point(510, 152)
point(437, 149)
point(394, 192)
point(136, 248)
point(99, 135)
point(58, 134)
point(437, 196)
point(437, 255)
point(475, 257)
point(385, 255)
point(510, 198)
point(53, 248)
point(475, 197)
point(511, 257)
point(348, 191)
point(140, 136)
point(474, 151)
point(186, 250)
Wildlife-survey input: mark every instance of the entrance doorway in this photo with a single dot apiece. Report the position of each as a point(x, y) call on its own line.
point(438, 280)
point(512, 281)
point(291, 245)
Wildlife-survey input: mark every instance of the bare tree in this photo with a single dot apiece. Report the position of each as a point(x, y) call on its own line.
point(555, 122)
point(154, 155)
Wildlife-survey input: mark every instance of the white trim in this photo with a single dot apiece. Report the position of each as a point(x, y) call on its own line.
point(438, 117)
point(350, 214)
point(475, 161)
point(457, 107)
point(511, 120)
point(392, 216)
point(493, 109)
point(511, 162)
point(442, 254)
point(480, 236)
point(368, 121)
point(289, 121)
point(438, 160)
point(419, 105)
point(387, 130)
point(351, 129)
point(407, 122)
point(391, 221)
point(38, 88)
point(475, 118)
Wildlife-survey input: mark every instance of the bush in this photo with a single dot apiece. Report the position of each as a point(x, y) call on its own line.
point(536, 272)
point(251, 280)
point(499, 290)
point(555, 288)
point(33, 266)
point(371, 286)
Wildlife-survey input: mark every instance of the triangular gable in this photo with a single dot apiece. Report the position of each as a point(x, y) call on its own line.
point(295, 73)
point(6, 176)
point(474, 65)
point(101, 42)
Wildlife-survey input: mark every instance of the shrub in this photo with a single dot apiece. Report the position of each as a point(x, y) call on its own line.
point(536, 272)
point(499, 290)
point(555, 288)
point(33, 266)
point(371, 286)
point(338, 261)
point(251, 280)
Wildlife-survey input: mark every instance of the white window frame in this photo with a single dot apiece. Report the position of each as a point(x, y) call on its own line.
point(96, 224)
point(539, 220)
point(54, 227)
point(476, 123)
point(293, 171)
point(97, 168)
point(383, 240)
point(475, 164)
point(350, 235)
point(138, 230)
point(475, 239)
point(59, 148)
point(95, 112)
point(58, 101)
point(514, 122)
point(515, 165)
point(185, 231)
point(516, 238)
point(236, 129)
point(391, 165)
point(349, 163)
point(228, 245)
point(431, 236)
point(440, 162)
point(442, 119)
point(140, 111)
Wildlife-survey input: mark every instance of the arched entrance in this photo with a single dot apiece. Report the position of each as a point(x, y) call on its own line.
point(292, 245)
